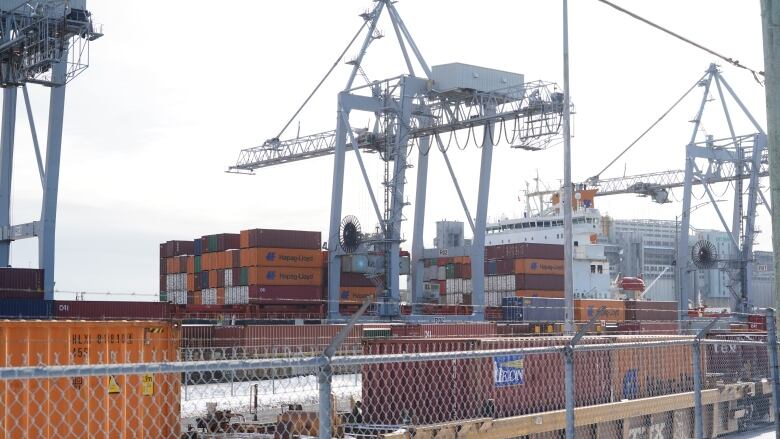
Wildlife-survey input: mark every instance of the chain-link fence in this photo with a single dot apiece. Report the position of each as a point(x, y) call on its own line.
point(134, 384)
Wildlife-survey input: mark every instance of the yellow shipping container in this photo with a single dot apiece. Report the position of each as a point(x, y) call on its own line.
point(137, 406)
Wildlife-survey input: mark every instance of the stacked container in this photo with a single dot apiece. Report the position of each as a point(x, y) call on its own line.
point(263, 266)
point(511, 270)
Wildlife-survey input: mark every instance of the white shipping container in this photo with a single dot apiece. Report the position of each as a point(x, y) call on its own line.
point(453, 299)
point(229, 277)
point(431, 273)
point(499, 283)
point(236, 295)
point(431, 289)
point(208, 296)
point(177, 297)
point(468, 287)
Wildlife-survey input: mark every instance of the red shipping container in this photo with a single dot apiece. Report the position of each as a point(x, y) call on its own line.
point(354, 280)
point(466, 271)
point(30, 279)
point(176, 248)
point(163, 266)
point(285, 238)
point(505, 266)
point(463, 389)
point(97, 310)
point(538, 282)
point(163, 284)
point(285, 293)
point(21, 294)
point(524, 250)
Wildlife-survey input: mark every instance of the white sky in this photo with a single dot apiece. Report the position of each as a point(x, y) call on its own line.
point(175, 89)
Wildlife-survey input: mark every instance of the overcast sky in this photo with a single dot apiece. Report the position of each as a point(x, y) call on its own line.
point(175, 89)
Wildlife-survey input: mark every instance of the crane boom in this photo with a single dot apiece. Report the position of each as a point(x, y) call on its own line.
point(533, 103)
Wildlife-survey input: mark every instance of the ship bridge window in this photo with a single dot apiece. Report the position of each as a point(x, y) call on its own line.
point(546, 224)
point(592, 269)
point(601, 269)
point(589, 220)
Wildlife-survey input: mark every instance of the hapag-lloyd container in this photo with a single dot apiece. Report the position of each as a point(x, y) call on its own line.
point(524, 250)
point(539, 266)
point(286, 276)
point(645, 310)
point(21, 279)
point(441, 391)
point(538, 282)
point(281, 257)
point(85, 407)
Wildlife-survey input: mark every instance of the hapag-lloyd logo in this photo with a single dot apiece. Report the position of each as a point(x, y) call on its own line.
point(508, 370)
point(271, 256)
point(294, 276)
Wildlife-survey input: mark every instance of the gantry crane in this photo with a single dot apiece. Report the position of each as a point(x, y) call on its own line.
point(414, 110)
point(43, 42)
point(735, 158)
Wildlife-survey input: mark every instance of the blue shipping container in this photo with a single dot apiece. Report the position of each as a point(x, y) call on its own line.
point(198, 247)
point(25, 309)
point(532, 309)
point(512, 308)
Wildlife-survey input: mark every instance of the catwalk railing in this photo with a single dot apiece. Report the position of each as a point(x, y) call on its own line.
point(402, 387)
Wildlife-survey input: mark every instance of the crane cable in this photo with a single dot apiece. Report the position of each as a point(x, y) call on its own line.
point(357, 34)
point(595, 178)
point(735, 63)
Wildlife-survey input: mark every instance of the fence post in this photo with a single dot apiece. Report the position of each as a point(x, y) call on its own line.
point(771, 328)
point(325, 414)
point(325, 375)
point(698, 424)
point(568, 356)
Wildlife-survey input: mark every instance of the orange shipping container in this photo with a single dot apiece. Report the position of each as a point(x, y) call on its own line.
point(81, 407)
point(288, 276)
point(243, 240)
point(191, 282)
point(220, 296)
point(213, 281)
point(355, 294)
point(539, 293)
point(197, 298)
point(170, 266)
point(584, 309)
point(287, 257)
point(539, 266)
point(190, 264)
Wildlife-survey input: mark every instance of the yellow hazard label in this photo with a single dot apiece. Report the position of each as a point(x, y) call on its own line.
point(147, 385)
point(113, 387)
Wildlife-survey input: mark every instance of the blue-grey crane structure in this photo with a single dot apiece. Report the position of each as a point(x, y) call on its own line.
point(43, 42)
point(735, 158)
point(415, 110)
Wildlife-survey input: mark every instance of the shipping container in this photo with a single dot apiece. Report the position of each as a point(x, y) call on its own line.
point(735, 362)
point(176, 248)
point(355, 280)
point(552, 294)
point(85, 406)
point(97, 310)
point(533, 309)
point(468, 389)
point(282, 239)
point(538, 282)
point(25, 309)
point(356, 294)
point(524, 250)
point(285, 276)
point(645, 310)
point(538, 266)
point(584, 309)
point(285, 293)
point(21, 279)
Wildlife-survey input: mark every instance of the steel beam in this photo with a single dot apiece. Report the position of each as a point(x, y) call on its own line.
point(480, 225)
point(52, 175)
point(337, 195)
point(6, 168)
point(420, 198)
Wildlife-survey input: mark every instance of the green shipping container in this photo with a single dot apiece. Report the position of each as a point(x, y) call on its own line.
point(450, 271)
point(197, 264)
point(163, 296)
point(244, 276)
point(213, 243)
